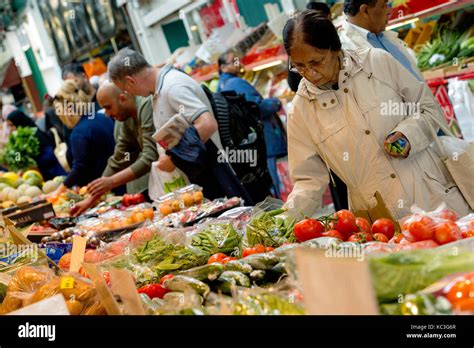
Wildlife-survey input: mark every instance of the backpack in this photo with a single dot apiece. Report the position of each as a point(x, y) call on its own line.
point(241, 128)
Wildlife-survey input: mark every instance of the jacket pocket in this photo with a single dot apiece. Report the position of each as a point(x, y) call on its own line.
point(322, 134)
point(437, 186)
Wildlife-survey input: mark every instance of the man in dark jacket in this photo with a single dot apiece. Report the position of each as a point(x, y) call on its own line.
point(230, 71)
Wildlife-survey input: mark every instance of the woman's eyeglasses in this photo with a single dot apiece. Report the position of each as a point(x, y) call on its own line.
point(314, 66)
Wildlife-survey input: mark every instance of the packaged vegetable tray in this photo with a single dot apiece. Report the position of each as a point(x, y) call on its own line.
point(406, 272)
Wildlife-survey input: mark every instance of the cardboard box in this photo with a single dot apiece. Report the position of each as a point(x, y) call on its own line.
point(30, 213)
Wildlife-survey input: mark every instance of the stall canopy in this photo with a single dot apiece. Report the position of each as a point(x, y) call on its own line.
point(9, 75)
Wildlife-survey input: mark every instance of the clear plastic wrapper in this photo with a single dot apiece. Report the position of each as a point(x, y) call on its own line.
point(217, 236)
point(407, 272)
point(269, 225)
point(434, 228)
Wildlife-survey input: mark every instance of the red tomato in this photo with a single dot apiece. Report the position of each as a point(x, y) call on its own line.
point(346, 223)
point(425, 244)
point(164, 278)
point(363, 224)
point(468, 233)
point(446, 232)
point(380, 237)
point(138, 198)
point(360, 237)
point(259, 249)
point(333, 233)
point(384, 226)
point(227, 259)
point(216, 258)
point(420, 227)
point(248, 251)
point(308, 229)
point(153, 290)
point(396, 239)
point(461, 290)
point(269, 249)
point(448, 214)
point(464, 305)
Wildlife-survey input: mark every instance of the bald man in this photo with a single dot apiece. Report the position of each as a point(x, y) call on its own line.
point(135, 148)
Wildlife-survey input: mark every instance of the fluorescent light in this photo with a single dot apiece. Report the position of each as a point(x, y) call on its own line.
point(194, 28)
point(397, 25)
point(267, 65)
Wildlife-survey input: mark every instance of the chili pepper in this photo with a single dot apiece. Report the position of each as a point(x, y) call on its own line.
point(153, 290)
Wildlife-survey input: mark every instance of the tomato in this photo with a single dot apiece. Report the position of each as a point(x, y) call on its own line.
point(384, 226)
point(127, 200)
point(227, 259)
point(420, 227)
point(448, 214)
point(396, 238)
point(464, 305)
point(248, 251)
point(269, 249)
point(259, 249)
point(164, 278)
point(468, 233)
point(380, 237)
point(360, 237)
point(153, 290)
point(363, 224)
point(346, 223)
point(138, 198)
point(216, 258)
point(461, 290)
point(425, 244)
point(308, 229)
point(446, 232)
point(333, 233)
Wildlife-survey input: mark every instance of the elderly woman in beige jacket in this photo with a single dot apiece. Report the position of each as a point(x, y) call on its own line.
point(349, 107)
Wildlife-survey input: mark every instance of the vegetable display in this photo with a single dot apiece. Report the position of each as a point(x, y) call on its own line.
point(21, 149)
point(216, 238)
point(269, 229)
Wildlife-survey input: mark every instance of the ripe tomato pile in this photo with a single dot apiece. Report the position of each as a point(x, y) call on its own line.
point(345, 226)
point(419, 231)
point(437, 227)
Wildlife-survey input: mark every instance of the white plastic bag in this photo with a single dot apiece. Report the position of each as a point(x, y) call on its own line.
point(159, 179)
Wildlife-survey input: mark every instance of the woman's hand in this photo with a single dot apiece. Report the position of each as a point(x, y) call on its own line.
point(393, 138)
point(82, 206)
point(165, 163)
point(100, 186)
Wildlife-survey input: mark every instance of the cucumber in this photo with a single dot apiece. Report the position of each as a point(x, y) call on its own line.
point(179, 298)
point(281, 251)
point(239, 266)
point(279, 268)
point(183, 283)
point(262, 261)
point(322, 242)
point(206, 272)
point(228, 279)
point(257, 275)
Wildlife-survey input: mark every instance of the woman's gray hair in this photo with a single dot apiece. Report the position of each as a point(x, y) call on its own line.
point(126, 62)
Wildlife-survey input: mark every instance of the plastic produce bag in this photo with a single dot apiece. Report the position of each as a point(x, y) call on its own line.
point(269, 225)
point(409, 271)
point(22, 287)
point(216, 236)
point(161, 183)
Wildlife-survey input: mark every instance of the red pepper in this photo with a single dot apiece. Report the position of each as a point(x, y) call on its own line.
point(153, 290)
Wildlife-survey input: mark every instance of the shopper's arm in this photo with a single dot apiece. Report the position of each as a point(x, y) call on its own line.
point(185, 102)
point(415, 128)
point(307, 171)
